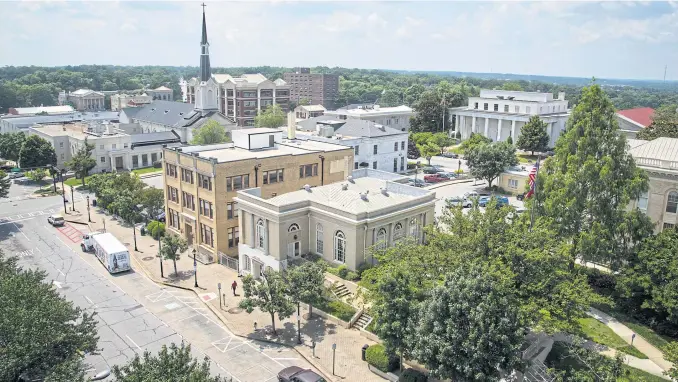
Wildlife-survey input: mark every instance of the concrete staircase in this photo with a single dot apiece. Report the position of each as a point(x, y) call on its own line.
point(340, 290)
point(363, 321)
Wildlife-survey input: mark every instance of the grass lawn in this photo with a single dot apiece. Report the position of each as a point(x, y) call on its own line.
point(526, 158)
point(47, 191)
point(146, 170)
point(75, 182)
point(654, 338)
point(598, 332)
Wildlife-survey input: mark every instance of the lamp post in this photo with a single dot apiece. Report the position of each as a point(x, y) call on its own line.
point(63, 190)
point(334, 349)
point(195, 268)
point(459, 167)
point(160, 254)
point(298, 326)
point(416, 171)
point(89, 219)
point(72, 200)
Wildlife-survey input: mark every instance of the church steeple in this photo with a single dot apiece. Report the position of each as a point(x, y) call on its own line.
point(205, 70)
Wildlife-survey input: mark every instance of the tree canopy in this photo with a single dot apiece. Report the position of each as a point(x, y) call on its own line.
point(10, 145)
point(533, 136)
point(82, 161)
point(273, 116)
point(664, 124)
point(209, 134)
point(487, 161)
point(269, 295)
point(36, 152)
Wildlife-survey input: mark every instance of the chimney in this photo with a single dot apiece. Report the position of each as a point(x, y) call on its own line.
point(291, 126)
point(363, 196)
point(344, 187)
point(561, 96)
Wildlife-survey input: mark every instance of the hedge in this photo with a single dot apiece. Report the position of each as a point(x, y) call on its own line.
point(376, 356)
point(412, 375)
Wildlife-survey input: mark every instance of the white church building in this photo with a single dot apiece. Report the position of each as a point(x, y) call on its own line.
point(499, 114)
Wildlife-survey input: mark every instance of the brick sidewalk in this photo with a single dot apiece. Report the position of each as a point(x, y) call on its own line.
point(348, 364)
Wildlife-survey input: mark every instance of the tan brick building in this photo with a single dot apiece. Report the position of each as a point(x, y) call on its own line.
point(200, 182)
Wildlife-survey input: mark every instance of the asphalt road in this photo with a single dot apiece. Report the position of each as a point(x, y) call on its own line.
point(133, 313)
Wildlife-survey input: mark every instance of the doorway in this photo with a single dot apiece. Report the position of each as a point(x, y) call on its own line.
point(189, 234)
point(118, 163)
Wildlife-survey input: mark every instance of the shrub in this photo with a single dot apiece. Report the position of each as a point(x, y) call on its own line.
point(412, 375)
point(341, 310)
point(459, 171)
point(362, 268)
point(342, 271)
point(333, 270)
point(352, 276)
point(156, 228)
point(600, 281)
point(312, 257)
point(377, 357)
point(157, 164)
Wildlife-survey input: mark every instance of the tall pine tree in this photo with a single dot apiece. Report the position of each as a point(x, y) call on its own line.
point(585, 189)
point(82, 161)
point(533, 136)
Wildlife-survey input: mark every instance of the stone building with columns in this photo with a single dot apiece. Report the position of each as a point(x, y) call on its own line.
point(83, 99)
point(499, 114)
point(341, 222)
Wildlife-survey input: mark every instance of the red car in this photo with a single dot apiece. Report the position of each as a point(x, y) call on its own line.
point(435, 178)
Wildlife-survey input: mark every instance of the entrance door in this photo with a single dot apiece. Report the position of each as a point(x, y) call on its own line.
point(189, 234)
point(293, 249)
point(118, 163)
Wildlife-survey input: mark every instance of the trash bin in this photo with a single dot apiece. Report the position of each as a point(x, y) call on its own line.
point(143, 231)
point(94, 202)
point(364, 350)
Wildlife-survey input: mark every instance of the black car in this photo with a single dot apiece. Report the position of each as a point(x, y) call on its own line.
point(297, 374)
point(450, 155)
point(432, 170)
point(520, 196)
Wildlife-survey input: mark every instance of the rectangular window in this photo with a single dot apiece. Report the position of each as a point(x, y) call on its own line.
point(173, 218)
point(135, 161)
point(233, 237)
point(206, 209)
point(496, 107)
point(273, 176)
point(527, 109)
point(642, 201)
point(126, 145)
point(513, 183)
point(402, 163)
point(668, 226)
point(238, 182)
point(114, 146)
point(154, 157)
point(506, 108)
point(485, 106)
point(395, 164)
point(402, 145)
point(375, 149)
point(206, 235)
point(395, 146)
point(205, 182)
point(357, 150)
point(61, 145)
point(186, 176)
point(355, 165)
point(187, 200)
point(171, 170)
point(103, 159)
point(231, 211)
point(516, 109)
point(172, 194)
point(309, 170)
point(374, 165)
point(475, 105)
point(249, 94)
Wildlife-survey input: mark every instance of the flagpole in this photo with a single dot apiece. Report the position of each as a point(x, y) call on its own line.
point(534, 206)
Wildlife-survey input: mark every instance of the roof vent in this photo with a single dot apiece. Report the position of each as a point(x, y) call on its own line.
point(384, 191)
point(350, 178)
point(153, 109)
point(166, 111)
point(344, 186)
point(307, 187)
point(181, 113)
point(363, 196)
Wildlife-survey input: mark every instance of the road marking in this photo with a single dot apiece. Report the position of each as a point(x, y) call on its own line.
point(135, 344)
point(57, 284)
point(12, 221)
point(90, 301)
point(22, 232)
point(286, 359)
point(61, 272)
point(185, 318)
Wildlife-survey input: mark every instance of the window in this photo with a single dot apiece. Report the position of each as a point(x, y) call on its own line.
point(187, 200)
point(398, 232)
point(171, 170)
point(381, 239)
point(260, 234)
point(402, 145)
point(205, 182)
point(309, 170)
point(173, 218)
point(231, 211)
point(527, 109)
point(114, 146)
point(357, 150)
point(475, 105)
point(233, 240)
point(273, 176)
point(374, 165)
point(246, 260)
point(642, 201)
point(206, 209)
point(496, 107)
point(513, 183)
point(516, 109)
point(61, 145)
point(402, 163)
point(125, 145)
point(414, 228)
point(355, 165)
point(339, 247)
point(672, 202)
point(62, 156)
point(101, 147)
point(154, 157)
point(238, 182)
point(172, 194)
point(186, 175)
point(395, 146)
point(206, 235)
point(395, 164)
point(668, 226)
point(485, 106)
point(103, 159)
point(375, 149)
point(293, 228)
point(506, 108)
point(319, 239)
point(249, 94)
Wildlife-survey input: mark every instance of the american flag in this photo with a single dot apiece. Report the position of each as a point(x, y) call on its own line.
point(533, 179)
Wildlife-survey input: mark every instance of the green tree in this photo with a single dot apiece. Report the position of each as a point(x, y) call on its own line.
point(671, 355)
point(37, 175)
point(489, 160)
point(391, 97)
point(4, 184)
point(442, 140)
point(306, 285)
point(428, 150)
point(156, 229)
point(273, 117)
point(474, 140)
point(513, 86)
point(82, 161)
point(172, 248)
point(474, 319)
point(270, 296)
point(664, 124)
point(171, 364)
point(430, 109)
point(36, 152)
point(153, 201)
point(10, 145)
point(46, 338)
point(585, 188)
point(304, 102)
point(579, 364)
point(209, 134)
point(533, 136)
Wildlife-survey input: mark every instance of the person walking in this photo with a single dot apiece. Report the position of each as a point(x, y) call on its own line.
point(233, 286)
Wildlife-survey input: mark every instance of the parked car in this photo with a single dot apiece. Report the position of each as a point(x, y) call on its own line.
point(417, 183)
point(521, 197)
point(485, 200)
point(435, 178)
point(297, 374)
point(56, 220)
point(15, 175)
point(161, 217)
point(455, 201)
point(432, 169)
point(447, 175)
point(450, 155)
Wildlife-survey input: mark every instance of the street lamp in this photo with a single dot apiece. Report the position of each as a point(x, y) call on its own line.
point(72, 200)
point(63, 190)
point(459, 167)
point(195, 268)
point(298, 326)
point(160, 254)
point(89, 219)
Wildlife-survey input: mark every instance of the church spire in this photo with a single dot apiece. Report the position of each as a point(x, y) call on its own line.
point(205, 70)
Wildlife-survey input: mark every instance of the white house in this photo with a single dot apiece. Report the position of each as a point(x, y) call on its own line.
point(376, 146)
point(499, 114)
point(397, 117)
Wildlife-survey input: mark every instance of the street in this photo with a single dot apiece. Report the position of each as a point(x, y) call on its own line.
point(134, 314)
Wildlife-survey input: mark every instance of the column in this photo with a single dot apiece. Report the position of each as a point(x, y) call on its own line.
point(487, 127)
point(274, 95)
point(266, 238)
point(258, 99)
point(499, 130)
point(513, 132)
point(253, 231)
point(551, 133)
point(457, 125)
point(473, 125)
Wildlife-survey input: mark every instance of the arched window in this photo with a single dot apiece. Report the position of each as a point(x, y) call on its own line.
point(381, 239)
point(672, 202)
point(260, 234)
point(339, 247)
point(246, 260)
point(398, 232)
point(293, 227)
point(319, 239)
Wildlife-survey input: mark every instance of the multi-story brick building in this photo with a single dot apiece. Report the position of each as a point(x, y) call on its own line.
point(200, 183)
point(317, 88)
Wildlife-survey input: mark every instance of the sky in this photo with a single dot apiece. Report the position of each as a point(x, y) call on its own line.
point(610, 39)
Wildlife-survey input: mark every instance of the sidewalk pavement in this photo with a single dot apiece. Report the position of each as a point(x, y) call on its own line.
point(348, 363)
point(655, 355)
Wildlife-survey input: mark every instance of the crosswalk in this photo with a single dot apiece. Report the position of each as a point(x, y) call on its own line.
point(25, 216)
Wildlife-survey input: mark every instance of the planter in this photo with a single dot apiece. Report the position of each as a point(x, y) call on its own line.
point(386, 376)
point(370, 336)
point(330, 317)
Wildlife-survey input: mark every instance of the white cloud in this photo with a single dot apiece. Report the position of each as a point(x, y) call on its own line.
point(341, 21)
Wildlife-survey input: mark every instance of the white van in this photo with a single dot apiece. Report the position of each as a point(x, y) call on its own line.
point(108, 249)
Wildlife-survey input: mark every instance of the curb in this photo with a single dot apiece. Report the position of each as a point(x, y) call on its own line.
point(226, 323)
point(443, 184)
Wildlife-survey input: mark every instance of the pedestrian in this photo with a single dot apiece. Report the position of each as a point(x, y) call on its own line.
point(233, 286)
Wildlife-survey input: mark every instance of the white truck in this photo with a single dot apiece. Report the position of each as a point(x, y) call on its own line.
point(108, 249)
